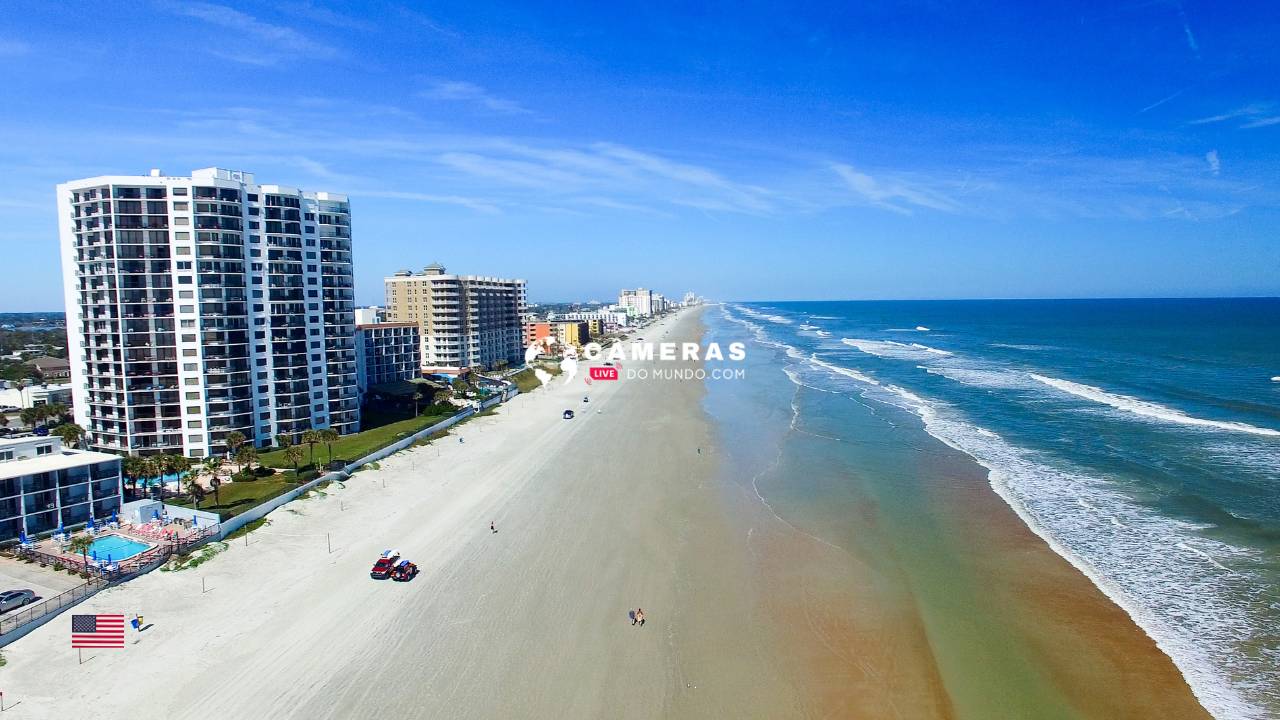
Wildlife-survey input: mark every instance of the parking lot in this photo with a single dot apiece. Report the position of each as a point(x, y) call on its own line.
point(45, 582)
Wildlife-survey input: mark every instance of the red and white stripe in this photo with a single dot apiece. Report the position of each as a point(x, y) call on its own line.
point(110, 633)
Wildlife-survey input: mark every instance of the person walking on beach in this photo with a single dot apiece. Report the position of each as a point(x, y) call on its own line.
point(492, 528)
point(639, 617)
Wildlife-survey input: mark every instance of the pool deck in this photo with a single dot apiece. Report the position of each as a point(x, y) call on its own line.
point(150, 534)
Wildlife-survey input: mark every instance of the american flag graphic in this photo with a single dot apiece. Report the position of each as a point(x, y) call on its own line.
point(97, 631)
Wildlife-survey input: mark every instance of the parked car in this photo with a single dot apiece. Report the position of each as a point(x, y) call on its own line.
point(568, 414)
point(382, 568)
point(11, 599)
point(385, 564)
point(404, 571)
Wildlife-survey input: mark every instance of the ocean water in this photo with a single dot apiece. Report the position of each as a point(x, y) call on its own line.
point(1139, 438)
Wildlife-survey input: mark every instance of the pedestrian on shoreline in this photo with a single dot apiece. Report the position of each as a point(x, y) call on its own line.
point(492, 527)
point(639, 617)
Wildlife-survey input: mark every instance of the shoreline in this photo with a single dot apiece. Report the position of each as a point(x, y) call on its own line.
point(634, 502)
point(1082, 654)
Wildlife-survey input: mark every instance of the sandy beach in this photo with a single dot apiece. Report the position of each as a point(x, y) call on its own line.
point(595, 516)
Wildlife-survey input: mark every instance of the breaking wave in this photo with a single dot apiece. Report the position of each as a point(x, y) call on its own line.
point(896, 350)
point(1148, 409)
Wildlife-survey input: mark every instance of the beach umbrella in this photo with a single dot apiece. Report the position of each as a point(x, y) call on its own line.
point(94, 554)
point(195, 522)
point(90, 525)
point(22, 537)
point(113, 516)
point(155, 514)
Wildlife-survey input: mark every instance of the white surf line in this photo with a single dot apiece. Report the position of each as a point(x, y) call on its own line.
point(1144, 408)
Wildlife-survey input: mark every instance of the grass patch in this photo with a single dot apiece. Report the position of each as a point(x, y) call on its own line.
point(194, 559)
point(357, 445)
point(527, 380)
point(237, 497)
point(313, 492)
point(248, 528)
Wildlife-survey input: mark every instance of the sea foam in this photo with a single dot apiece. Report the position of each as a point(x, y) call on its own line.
point(1148, 409)
point(1171, 579)
point(896, 350)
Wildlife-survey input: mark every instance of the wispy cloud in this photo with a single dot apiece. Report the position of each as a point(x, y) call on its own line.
point(264, 43)
point(894, 194)
point(461, 91)
point(1215, 162)
point(1186, 29)
point(1253, 115)
point(1163, 100)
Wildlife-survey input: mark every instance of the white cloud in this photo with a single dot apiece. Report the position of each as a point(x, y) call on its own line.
point(458, 90)
point(893, 194)
point(269, 42)
point(1215, 162)
point(1254, 115)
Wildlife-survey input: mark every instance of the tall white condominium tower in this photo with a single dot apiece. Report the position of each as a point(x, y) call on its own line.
point(465, 321)
point(202, 305)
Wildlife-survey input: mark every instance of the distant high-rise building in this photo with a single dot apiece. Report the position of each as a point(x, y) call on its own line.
point(466, 320)
point(636, 302)
point(201, 305)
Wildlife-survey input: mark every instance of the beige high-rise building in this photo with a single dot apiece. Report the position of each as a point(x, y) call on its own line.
point(465, 320)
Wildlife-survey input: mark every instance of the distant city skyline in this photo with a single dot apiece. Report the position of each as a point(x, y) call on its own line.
point(910, 152)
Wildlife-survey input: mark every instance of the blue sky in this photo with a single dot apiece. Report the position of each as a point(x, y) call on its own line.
point(747, 151)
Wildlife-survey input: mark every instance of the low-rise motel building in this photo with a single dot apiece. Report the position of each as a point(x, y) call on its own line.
point(387, 352)
point(534, 330)
point(571, 332)
point(44, 486)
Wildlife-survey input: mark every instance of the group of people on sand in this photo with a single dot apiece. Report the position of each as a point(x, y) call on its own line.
point(637, 617)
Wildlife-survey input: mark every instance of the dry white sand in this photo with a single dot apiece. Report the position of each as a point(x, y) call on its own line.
point(593, 518)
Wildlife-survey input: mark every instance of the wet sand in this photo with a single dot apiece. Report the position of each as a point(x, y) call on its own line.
point(933, 599)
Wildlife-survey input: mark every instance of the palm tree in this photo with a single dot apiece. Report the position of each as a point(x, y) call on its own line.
point(30, 416)
point(310, 438)
point(329, 436)
point(152, 467)
point(195, 490)
point(70, 433)
point(181, 464)
point(293, 454)
point(81, 544)
point(284, 441)
point(417, 398)
point(212, 465)
point(246, 455)
point(134, 468)
point(234, 440)
point(55, 411)
point(4, 420)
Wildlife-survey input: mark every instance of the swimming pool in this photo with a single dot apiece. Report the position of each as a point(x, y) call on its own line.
point(117, 547)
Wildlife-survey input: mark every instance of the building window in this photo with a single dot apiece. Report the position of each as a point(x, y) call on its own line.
point(44, 449)
point(193, 396)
